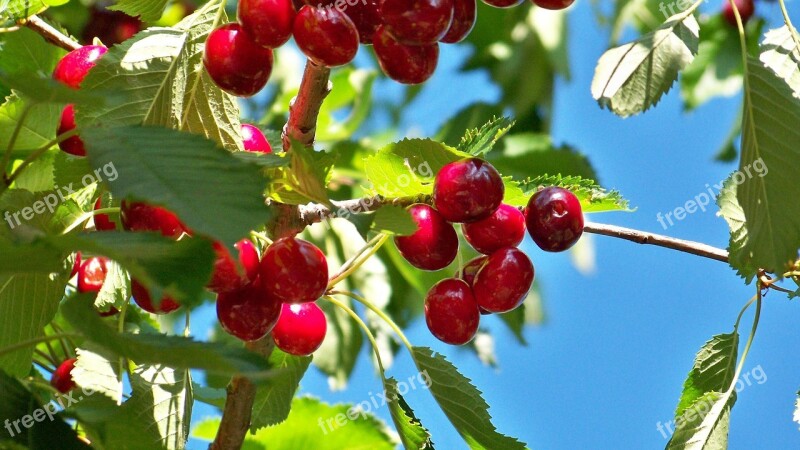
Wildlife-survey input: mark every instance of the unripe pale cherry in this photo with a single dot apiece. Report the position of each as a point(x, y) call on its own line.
point(451, 312)
point(254, 140)
point(435, 243)
point(248, 313)
point(235, 62)
point(326, 35)
point(504, 228)
point(407, 64)
point(554, 219)
point(503, 282)
point(268, 22)
point(294, 271)
point(467, 190)
point(300, 329)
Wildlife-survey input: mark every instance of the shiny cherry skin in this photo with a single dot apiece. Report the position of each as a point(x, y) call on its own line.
point(248, 313)
point(235, 62)
point(92, 274)
point(76, 265)
point(102, 222)
point(504, 228)
point(300, 329)
point(294, 271)
point(464, 17)
point(451, 312)
point(407, 64)
point(503, 282)
point(62, 377)
point(75, 65)
point(472, 268)
point(554, 219)
point(268, 22)
point(227, 275)
point(467, 190)
point(137, 216)
point(254, 140)
point(417, 22)
point(553, 4)
point(142, 298)
point(72, 145)
point(366, 16)
point(503, 3)
point(326, 35)
point(746, 9)
point(434, 245)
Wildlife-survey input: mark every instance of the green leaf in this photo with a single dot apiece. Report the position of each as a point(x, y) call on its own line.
point(214, 193)
point(15, 10)
point(352, 92)
point(704, 425)
point(593, 198)
point(781, 53)
point(308, 174)
point(769, 164)
point(479, 141)
point(412, 433)
point(38, 129)
point(713, 370)
point(394, 220)
point(44, 89)
point(731, 211)
point(116, 289)
point(631, 78)
point(147, 10)
point(462, 403)
point(528, 154)
point(98, 371)
point(274, 399)
point(24, 52)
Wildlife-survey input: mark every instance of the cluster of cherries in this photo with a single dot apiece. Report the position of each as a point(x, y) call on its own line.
point(470, 192)
point(405, 35)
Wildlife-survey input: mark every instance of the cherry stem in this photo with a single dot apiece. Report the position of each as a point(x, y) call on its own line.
point(33, 157)
point(363, 255)
point(380, 314)
point(364, 327)
point(50, 34)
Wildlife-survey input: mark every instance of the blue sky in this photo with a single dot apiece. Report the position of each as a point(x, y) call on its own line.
point(610, 361)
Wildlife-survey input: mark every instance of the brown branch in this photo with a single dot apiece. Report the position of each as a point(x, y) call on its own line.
point(304, 109)
point(50, 34)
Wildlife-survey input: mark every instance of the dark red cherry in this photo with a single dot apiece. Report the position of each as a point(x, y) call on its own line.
point(467, 190)
point(465, 14)
point(554, 219)
point(227, 275)
point(366, 15)
point(76, 265)
point(553, 4)
point(746, 9)
point(75, 65)
point(62, 377)
point(102, 222)
point(254, 140)
point(435, 243)
point(137, 216)
point(504, 228)
point(503, 3)
point(326, 35)
point(503, 282)
point(407, 64)
point(417, 22)
point(142, 298)
point(451, 312)
point(268, 22)
point(300, 329)
point(248, 313)
point(92, 274)
point(471, 269)
point(72, 145)
point(235, 62)
point(294, 271)
point(110, 27)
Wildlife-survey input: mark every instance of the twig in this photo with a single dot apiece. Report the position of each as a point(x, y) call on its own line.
point(50, 34)
point(304, 109)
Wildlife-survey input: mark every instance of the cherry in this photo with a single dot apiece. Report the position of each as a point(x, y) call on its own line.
point(300, 329)
point(294, 271)
point(417, 22)
point(138, 216)
point(254, 140)
point(62, 377)
point(746, 9)
point(75, 65)
point(235, 62)
point(464, 17)
point(76, 265)
point(435, 243)
point(407, 64)
point(102, 222)
point(72, 145)
point(503, 282)
point(92, 274)
point(471, 269)
point(366, 16)
point(503, 3)
point(451, 312)
point(226, 276)
point(268, 22)
point(326, 35)
point(467, 190)
point(110, 27)
point(248, 313)
point(142, 298)
point(553, 4)
point(554, 219)
point(504, 228)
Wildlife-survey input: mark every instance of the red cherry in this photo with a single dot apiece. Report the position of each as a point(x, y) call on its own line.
point(467, 190)
point(407, 64)
point(235, 62)
point(138, 216)
point(366, 16)
point(254, 140)
point(102, 222)
point(465, 14)
point(92, 274)
point(110, 27)
point(294, 271)
point(553, 4)
point(326, 35)
point(504, 228)
point(72, 145)
point(746, 9)
point(142, 298)
point(62, 377)
point(226, 275)
point(300, 329)
point(504, 281)
point(75, 65)
point(471, 269)
point(248, 313)
point(435, 243)
point(268, 22)
point(554, 219)
point(503, 3)
point(451, 312)
point(76, 265)
point(417, 22)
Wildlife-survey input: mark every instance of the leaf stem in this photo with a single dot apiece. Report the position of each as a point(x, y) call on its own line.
point(364, 327)
point(50, 34)
point(788, 21)
point(34, 341)
point(33, 157)
point(380, 314)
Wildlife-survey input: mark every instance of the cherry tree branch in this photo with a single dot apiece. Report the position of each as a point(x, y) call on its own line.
point(304, 109)
point(50, 34)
